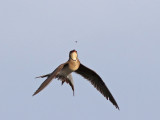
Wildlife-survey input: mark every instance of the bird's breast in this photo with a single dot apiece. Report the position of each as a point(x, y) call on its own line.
point(74, 65)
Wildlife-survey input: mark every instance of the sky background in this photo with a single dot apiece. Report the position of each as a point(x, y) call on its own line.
point(119, 39)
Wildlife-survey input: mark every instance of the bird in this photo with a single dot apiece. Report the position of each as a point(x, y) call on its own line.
point(63, 73)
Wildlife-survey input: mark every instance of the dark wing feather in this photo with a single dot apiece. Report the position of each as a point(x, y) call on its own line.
point(97, 82)
point(50, 77)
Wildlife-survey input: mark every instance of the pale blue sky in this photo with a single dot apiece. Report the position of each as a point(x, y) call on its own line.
point(120, 40)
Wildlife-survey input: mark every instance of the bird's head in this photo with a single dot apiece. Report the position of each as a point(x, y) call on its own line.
point(73, 55)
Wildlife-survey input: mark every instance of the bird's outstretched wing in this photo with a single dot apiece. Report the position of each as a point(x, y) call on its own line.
point(97, 82)
point(50, 77)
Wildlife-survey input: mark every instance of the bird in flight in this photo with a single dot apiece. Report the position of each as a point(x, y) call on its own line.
point(63, 73)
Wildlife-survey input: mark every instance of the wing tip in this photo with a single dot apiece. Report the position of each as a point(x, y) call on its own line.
point(117, 107)
point(34, 94)
point(112, 100)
